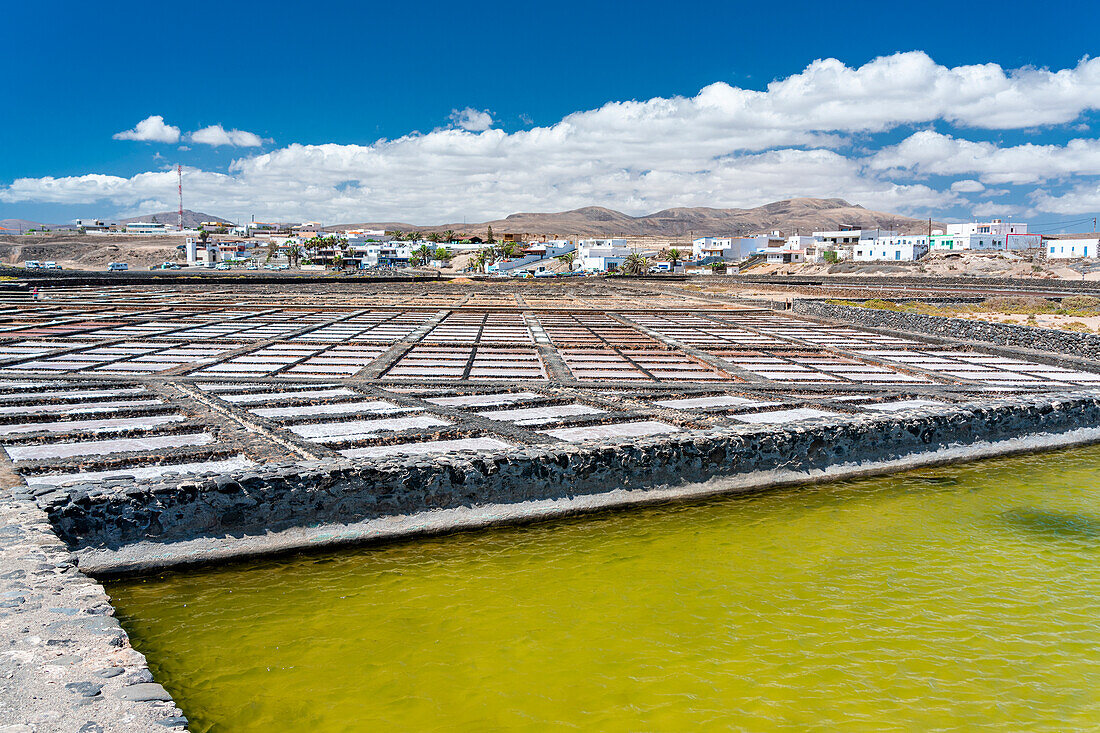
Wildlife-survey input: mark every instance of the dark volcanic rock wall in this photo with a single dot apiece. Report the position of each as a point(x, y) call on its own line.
point(115, 513)
point(1042, 339)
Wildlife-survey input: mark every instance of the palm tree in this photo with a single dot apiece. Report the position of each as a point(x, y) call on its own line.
point(672, 256)
point(568, 259)
point(635, 264)
point(449, 235)
point(292, 254)
point(433, 238)
point(422, 255)
point(484, 258)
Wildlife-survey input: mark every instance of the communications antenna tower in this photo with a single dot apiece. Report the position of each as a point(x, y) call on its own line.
point(179, 180)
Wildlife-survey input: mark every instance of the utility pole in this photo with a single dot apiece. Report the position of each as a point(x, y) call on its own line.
point(179, 180)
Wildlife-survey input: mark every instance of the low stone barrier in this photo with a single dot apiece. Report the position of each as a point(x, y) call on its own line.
point(118, 512)
point(1041, 339)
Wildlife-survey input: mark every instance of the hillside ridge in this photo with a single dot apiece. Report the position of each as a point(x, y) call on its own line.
point(792, 216)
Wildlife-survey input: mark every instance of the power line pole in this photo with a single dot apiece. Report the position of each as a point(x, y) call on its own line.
point(179, 180)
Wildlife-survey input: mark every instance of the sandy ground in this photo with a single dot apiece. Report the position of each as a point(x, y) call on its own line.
point(1042, 320)
point(91, 252)
point(969, 263)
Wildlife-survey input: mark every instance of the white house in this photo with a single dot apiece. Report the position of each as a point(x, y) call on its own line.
point(703, 247)
point(1073, 247)
point(584, 244)
point(369, 253)
point(843, 241)
point(146, 227)
point(603, 259)
point(994, 235)
point(895, 248)
point(550, 248)
point(734, 248)
point(601, 255)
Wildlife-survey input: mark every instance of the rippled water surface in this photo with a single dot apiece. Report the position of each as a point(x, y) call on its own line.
point(962, 597)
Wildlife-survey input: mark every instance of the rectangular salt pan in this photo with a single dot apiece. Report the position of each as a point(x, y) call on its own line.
point(70, 408)
point(431, 446)
point(778, 416)
point(903, 405)
point(91, 426)
point(540, 415)
point(355, 429)
point(484, 400)
point(618, 430)
point(689, 403)
point(375, 406)
point(73, 393)
point(105, 447)
point(245, 399)
point(143, 472)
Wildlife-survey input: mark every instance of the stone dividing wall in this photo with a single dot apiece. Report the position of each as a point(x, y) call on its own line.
point(1042, 339)
point(115, 513)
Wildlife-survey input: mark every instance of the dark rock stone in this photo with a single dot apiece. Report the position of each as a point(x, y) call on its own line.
point(84, 689)
point(109, 672)
point(177, 721)
point(144, 692)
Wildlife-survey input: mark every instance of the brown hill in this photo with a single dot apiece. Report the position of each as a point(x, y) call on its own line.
point(801, 215)
point(19, 226)
point(190, 218)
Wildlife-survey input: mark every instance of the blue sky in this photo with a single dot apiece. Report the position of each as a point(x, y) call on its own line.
point(438, 112)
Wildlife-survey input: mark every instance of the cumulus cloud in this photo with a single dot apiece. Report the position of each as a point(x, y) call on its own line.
point(1084, 197)
point(474, 120)
point(967, 186)
point(986, 210)
point(152, 129)
point(217, 135)
point(725, 146)
point(934, 153)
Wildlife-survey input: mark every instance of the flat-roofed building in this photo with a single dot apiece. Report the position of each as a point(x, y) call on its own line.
point(1072, 246)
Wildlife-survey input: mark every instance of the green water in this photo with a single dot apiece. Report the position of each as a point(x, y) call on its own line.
point(951, 598)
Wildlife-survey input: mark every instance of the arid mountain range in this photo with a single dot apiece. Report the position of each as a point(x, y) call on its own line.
point(190, 218)
point(793, 216)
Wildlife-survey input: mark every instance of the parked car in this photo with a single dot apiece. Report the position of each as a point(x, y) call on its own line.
point(117, 267)
point(252, 266)
point(221, 266)
point(51, 266)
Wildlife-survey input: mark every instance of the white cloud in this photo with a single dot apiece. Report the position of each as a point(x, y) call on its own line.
point(933, 153)
point(217, 135)
point(474, 120)
point(725, 146)
point(151, 129)
point(985, 210)
point(1083, 198)
point(967, 186)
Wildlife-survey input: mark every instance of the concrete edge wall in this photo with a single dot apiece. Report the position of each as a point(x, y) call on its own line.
point(1040, 339)
point(281, 498)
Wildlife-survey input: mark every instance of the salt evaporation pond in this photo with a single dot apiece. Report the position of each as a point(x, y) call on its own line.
point(961, 597)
